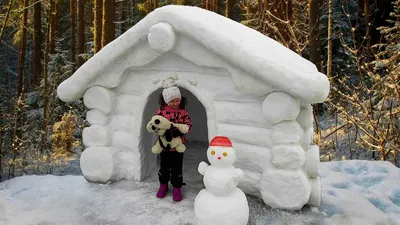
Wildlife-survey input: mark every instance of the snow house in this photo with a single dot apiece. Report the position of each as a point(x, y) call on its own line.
point(239, 83)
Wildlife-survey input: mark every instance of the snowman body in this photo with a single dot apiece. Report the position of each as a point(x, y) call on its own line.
point(221, 202)
point(214, 209)
point(220, 181)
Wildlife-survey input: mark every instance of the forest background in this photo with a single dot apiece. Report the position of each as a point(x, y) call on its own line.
point(356, 43)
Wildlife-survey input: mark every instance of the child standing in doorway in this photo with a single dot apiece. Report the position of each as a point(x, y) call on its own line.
point(172, 107)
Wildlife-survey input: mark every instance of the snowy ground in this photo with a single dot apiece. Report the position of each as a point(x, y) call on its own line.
point(354, 192)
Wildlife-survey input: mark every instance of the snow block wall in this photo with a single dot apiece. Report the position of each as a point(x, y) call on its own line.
point(262, 105)
point(292, 180)
point(110, 154)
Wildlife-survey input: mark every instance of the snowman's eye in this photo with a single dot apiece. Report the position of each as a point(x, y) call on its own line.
point(212, 152)
point(225, 154)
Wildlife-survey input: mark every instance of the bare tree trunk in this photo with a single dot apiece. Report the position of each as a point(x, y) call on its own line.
point(9, 96)
point(314, 41)
point(149, 6)
point(1, 142)
point(97, 24)
point(22, 48)
point(37, 40)
point(209, 5)
point(81, 30)
point(357, 35)
point(367, 19)
point(8, 101)
point(129, 16)
point(250, 10)
point(315, 55)
point(317, 130)
point(17, 135)
point(124, 9)
point(215, 6)
point(54, 27)
point(72, 27)
point(203, 4)
point(6, 19)
point(282, 9)
point(367, 25)
point(329, 63)
point(46, 83)
point(229, 8)
point(266, 4)
point(108, 33)
point(155, 4)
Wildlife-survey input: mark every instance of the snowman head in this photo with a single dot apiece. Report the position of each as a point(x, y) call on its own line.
point(220, 152)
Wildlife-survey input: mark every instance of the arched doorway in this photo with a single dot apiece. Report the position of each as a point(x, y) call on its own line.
point(197, 139)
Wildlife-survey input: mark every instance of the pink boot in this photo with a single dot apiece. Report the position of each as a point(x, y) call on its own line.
point(177, 194)
point(162, 191)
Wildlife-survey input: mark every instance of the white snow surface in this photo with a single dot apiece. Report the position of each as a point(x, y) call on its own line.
point(353, 193)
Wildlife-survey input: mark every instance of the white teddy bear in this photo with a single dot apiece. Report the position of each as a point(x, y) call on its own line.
point(168, 134)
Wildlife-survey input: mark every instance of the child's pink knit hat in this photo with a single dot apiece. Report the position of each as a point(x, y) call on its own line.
point(171, 93)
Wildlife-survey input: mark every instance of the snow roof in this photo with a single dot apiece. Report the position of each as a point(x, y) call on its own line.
point(239, 45)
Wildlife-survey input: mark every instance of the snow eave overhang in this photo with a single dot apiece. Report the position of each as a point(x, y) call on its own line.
point(239, 45)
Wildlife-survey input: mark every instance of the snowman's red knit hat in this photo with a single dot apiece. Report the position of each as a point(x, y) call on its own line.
point(221, 141)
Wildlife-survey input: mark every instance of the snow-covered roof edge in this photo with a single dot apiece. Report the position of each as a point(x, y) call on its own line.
point(244, 47)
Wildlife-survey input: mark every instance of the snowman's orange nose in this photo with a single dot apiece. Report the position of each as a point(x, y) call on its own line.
point(219, 157)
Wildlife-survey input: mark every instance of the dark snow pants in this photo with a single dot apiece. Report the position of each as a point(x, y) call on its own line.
point(171, 168)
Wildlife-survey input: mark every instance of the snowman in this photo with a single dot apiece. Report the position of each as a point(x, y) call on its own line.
point(221, 178)
point(221, 202)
